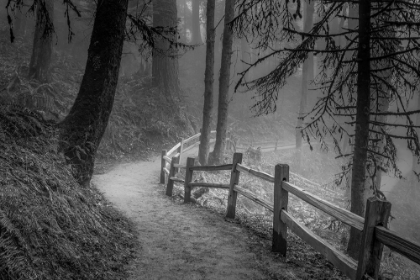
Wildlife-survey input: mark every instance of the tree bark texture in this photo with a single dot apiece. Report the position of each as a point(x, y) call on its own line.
point(165, 62)
point(222, 112)
point(416, 166)
point(196, 31)
point(42, 44)
point(307, 74)
point(83, 128)
point(358, 179)
point(203, 153)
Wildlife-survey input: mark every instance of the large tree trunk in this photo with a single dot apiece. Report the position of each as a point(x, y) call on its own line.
point(224, 79)
point(165, 62)
point(42, 45)
point(307, 74)
point(196, 32)
point(358, 186)
point(203, 153)
point(83, 128)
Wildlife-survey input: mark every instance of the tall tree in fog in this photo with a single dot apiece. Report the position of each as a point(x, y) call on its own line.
point(196, 32)
point(42, 47)
point(165, 62)
point(83, 128)
point(203, 152)
point(416, 163)
point(307, 74)
point(382, 69)
point(224, 80)
point(184, 20)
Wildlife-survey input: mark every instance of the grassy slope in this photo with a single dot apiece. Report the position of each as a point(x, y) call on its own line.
point(50, 228)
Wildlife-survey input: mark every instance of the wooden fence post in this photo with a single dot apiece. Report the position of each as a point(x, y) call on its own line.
point(188, 179)
point(162, 165)
point(234, 180)
point(172, 172)
point(180, 149)
point(377, 213)
point(281, 197)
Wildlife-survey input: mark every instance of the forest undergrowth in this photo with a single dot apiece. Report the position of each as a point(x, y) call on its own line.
point(50, 227)
point(316, 172)
point(141, 121)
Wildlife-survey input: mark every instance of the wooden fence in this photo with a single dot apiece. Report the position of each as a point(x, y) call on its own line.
point(373, 225)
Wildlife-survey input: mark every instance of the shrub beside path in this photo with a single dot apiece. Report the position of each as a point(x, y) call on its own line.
point(178, 241)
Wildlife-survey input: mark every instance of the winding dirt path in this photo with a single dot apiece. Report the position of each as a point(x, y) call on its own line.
point(178, 241)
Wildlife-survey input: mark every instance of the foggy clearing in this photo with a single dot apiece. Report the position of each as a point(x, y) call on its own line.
point(209, 139)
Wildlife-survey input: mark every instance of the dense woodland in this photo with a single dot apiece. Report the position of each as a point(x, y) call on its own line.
point(84, 83)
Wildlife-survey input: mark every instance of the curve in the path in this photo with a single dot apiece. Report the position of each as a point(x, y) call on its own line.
point(178, 241)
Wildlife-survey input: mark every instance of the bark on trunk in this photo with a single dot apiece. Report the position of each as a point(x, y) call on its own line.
point(362, 125)
point(42, 45)
point(222, 112)
point(307, 75)
point(196, 32)
point(416, 167)
point(83, 128)
point(165, 62)
point(203, 153)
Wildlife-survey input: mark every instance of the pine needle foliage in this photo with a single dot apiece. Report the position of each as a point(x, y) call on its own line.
point(394, 75)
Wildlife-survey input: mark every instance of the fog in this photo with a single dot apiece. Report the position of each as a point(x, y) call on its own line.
point(141, 123)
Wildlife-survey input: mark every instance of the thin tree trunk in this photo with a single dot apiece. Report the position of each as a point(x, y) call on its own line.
point(203, 153)
point(307, 75)
point(362, 125)
point(184, 30)
point(42, 45)
point(196, 32)
point(224, 79)
point(165, 62)
point(83, 128)
point(416, 166)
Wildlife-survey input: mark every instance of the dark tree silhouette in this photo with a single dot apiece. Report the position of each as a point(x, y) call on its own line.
point(382, 69)
point(83, 128)
point(42, 47)
point(165, 62)
point(203, 152)
point(224, 83)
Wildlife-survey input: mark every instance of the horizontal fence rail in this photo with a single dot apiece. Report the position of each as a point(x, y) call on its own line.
point(408, 249)
point(374, 234)
point(344, 263)
point(259, 174)
point(341, 214)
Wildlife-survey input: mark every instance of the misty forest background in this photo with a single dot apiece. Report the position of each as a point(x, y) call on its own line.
point(107, 82)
